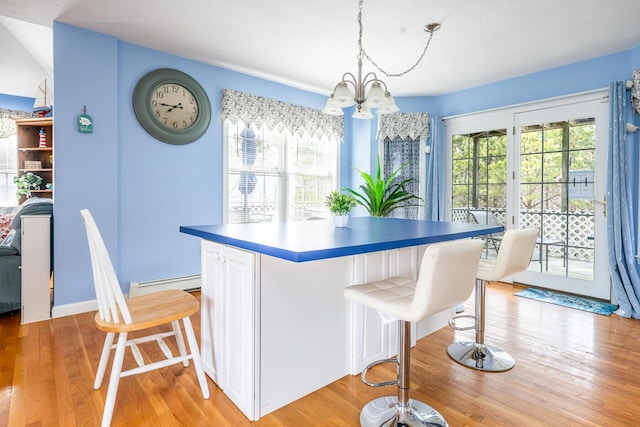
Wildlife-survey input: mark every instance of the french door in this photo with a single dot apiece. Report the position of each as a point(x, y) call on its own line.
point(541, 165)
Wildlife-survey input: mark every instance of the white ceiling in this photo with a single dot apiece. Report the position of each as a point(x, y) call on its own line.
point(310, 44)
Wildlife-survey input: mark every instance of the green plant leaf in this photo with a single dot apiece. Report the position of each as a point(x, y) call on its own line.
point(381, 197)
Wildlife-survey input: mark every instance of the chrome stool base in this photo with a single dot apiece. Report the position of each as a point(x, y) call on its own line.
point(481, 357)
point(386, 411)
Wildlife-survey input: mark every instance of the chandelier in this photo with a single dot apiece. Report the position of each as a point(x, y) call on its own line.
point(352, 90)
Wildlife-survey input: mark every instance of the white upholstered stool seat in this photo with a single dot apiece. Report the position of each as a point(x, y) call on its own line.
point(446, 279)
point(514, 256)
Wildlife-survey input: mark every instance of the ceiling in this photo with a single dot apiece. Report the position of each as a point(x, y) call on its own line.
point(310, 44)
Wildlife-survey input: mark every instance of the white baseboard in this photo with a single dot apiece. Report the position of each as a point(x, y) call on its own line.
point(136, 289)
point(74, 308)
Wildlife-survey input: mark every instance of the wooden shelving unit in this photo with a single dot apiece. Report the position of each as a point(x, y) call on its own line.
point(29, 150)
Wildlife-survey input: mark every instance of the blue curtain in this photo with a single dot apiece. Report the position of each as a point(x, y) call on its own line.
point(620, 237)
point(434, 185)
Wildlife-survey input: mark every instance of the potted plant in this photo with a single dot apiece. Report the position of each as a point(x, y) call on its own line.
point(340, 205)
point(27, 182)
point(380, 197)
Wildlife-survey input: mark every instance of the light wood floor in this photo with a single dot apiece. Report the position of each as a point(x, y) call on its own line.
point(573, 369)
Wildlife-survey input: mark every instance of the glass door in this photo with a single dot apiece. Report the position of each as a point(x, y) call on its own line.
point(540, 165)
point(560, 169)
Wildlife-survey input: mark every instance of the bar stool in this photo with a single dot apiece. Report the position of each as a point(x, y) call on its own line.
point(446, 279)
point(514, 256)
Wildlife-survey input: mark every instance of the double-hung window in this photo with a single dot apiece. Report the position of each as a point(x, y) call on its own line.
point(275, 176)
point(279, 169)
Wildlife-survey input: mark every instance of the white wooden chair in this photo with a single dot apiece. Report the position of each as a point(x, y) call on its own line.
point(119, 316)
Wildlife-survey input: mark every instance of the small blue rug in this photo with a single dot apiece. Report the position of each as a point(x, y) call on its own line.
point(570, 301)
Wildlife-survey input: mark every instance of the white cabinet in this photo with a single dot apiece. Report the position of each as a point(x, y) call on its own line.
point(36, 267)
point(373, 339)
point(275, 330)
point(229, 316)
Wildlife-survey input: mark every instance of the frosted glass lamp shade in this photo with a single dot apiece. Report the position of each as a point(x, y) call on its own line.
point(363, 113)
point(377, 96)
point(343, 95)
point(391, 106)
point(332, 109)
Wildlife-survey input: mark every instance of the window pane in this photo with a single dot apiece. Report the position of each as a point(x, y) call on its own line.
point(553, 136)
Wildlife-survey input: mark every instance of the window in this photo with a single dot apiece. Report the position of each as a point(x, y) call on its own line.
point(401, 136)
point(478, 175)
point(276, 176)
point(282, 159)
point(8, 159)
point(404, 154)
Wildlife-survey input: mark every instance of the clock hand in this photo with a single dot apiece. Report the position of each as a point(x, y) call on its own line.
point(173, 107)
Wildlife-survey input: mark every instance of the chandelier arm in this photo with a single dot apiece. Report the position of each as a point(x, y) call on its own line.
point(353, 82)
point(371, 78)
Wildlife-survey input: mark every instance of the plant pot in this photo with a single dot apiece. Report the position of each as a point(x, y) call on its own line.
point(340, 220)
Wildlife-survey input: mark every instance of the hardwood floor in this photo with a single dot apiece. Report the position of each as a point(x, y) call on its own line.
point(572, 369)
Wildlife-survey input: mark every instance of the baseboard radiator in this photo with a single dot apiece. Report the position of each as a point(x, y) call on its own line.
point(186, 283)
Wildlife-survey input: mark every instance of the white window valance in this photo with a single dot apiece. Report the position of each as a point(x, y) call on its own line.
point(8, 121)
point(635, 91)
point(278, 115)
point(404, 125)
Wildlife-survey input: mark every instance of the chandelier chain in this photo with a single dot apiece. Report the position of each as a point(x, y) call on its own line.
point(374, 63)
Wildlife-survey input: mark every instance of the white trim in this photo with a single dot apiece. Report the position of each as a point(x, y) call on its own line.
point(521, 107)
point(74, 308)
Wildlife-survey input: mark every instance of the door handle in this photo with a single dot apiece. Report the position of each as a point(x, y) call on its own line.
point(604, 205)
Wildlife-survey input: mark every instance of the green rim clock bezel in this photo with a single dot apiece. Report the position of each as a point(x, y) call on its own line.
point(142, 107)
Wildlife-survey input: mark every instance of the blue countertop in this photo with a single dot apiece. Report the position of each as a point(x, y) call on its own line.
point(300, 241)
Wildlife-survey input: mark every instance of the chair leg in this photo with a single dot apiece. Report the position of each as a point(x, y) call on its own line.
point(477, 354)
point(180, 341)
point(197, 361)
point(401, 410)
point(104, 358)
point(114, 380)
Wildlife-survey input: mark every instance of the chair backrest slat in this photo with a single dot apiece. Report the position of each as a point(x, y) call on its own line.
point(111, 302)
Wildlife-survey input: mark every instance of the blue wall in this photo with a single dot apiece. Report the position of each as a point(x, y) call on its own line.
point(141, 190)
point(138, 189)
point(574, 78)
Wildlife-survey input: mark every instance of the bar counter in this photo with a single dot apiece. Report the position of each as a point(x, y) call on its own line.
point(275, 324)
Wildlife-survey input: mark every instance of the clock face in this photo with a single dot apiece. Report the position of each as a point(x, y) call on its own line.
point(171, 106)
point(174, 106)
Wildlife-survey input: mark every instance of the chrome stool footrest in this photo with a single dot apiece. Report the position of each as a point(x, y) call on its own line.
point(453, 319)
point(376, 363)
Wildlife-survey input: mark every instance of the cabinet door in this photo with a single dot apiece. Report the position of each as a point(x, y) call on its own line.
point(373, 338)
point(239, 329)
point(229, 331)
point(210, 308)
